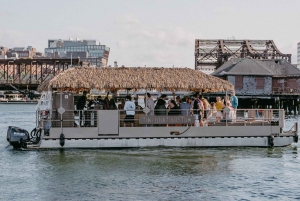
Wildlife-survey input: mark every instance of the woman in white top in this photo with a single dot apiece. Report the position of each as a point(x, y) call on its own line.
point(129, 107)
point(228, 113)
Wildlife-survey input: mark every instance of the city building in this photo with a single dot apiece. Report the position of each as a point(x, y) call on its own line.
point(298, 55)
point(21, 52)
point(18, 52)
point(3, 51)
point(90, 51)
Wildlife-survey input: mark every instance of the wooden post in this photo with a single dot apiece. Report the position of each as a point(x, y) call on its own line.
point(284, 106)
point(298, 106)
point(295, 106)
point(290, 106)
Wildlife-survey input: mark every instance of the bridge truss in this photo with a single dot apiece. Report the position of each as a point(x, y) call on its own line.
point(29, 73)
point(214, 53)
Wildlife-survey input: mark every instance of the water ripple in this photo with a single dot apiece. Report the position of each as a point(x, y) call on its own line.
point(144, 173)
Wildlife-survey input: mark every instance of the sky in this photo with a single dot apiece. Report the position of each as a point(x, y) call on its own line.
point(157, 33)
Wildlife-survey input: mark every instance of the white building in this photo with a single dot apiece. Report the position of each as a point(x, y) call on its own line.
point(298, 55)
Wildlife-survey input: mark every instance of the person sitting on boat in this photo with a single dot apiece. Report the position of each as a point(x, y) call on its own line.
point(129, 107)
point(227, 113)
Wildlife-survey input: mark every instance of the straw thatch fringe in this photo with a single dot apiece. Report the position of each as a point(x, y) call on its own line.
point(114, 79)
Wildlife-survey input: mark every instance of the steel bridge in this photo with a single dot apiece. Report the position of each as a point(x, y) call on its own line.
point(214, 53)
point(29, 73)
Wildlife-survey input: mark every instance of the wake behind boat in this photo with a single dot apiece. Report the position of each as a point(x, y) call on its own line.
point(59, 124)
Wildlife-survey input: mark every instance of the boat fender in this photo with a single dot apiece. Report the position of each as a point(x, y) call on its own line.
point(38, 136)
point(32, 133)
point(296, 138)
point(271, 140)
point(62, 140)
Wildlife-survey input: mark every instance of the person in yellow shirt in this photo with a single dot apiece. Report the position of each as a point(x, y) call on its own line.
point(219, 107)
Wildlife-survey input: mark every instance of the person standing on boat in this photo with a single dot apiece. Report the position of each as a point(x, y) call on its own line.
point(82, 101)
point(129, 107)
point(112, 104)
point(185, 107)
point(160, 110)
point(219, 106)
point(234, 102)
point(81, 105)
point(150, 104)
point(163, 97)
point(198, 108)
point(121, 105)
point(178, 101)
point(100, 102)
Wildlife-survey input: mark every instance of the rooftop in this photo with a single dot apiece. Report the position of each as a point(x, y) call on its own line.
point(249, 66)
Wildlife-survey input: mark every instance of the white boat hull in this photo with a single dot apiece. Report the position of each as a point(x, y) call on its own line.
point(108, 132)
point(169, 142)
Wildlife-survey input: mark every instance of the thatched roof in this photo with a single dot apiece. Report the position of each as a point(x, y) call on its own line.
point(114, 79)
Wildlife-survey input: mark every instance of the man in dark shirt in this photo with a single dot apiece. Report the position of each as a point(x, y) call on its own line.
point(82, 101)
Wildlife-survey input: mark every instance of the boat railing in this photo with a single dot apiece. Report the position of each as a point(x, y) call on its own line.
point(89, 118)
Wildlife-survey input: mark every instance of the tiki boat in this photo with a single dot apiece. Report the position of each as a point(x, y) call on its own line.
point(59, 124)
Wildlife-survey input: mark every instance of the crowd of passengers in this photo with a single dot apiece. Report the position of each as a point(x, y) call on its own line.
point(223, 110)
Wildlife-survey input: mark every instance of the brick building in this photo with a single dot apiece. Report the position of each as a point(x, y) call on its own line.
point(265, 83)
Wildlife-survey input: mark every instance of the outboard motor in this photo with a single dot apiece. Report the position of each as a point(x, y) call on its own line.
point(17, 137)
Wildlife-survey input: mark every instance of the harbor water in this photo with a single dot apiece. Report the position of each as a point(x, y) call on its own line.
point(144, 173)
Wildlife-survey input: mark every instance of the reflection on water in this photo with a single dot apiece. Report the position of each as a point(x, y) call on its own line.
point(144, 173)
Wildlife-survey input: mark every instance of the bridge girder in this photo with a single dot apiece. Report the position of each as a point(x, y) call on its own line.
point(217, 52)
point(29, 73)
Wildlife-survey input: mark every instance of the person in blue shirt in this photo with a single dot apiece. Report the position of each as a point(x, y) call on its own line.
point(234, 103)
point(234, 100)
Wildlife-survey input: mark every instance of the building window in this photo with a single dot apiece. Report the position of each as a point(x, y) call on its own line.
point(260, 83)
point(239, 82)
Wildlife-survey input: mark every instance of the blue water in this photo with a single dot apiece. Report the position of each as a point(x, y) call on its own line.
point(143, 173)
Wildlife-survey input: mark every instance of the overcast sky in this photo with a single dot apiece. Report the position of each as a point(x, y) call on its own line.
point(150, 32)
